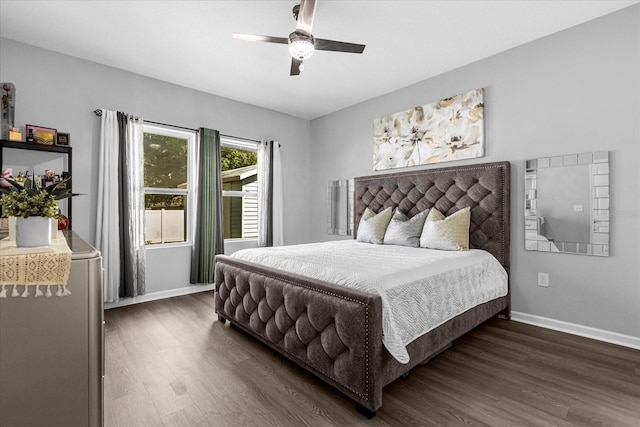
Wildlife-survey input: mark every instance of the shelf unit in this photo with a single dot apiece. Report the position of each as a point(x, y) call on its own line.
point(42, 148)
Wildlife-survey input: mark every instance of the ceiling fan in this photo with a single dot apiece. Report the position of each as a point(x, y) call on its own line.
point(301, 42)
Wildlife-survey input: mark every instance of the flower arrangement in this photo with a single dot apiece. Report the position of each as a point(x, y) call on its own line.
point(32, 199)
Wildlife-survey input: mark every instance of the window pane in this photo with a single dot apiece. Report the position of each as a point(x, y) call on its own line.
point(239, 173)
point(240, 217)
point(165, 161)
point(166, 218)
point(236, 158)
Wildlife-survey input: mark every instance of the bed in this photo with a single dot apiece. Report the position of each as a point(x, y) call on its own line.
point(336, 332)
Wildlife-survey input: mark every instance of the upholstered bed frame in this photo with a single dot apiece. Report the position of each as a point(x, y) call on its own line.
point(336, 332)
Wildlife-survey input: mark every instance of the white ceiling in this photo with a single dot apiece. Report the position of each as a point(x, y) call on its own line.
point(189, 42)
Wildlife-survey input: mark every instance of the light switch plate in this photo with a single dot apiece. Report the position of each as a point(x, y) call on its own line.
point(543, 280)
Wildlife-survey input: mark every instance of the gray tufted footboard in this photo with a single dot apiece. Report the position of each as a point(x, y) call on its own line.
point(332, 331)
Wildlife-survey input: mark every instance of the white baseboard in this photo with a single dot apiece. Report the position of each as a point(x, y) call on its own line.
point(575, 329)
point(159, 295)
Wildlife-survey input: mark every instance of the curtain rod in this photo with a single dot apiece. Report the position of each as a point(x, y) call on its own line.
point(98, 112)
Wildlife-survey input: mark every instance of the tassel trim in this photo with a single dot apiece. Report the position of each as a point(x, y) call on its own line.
point(62, 291)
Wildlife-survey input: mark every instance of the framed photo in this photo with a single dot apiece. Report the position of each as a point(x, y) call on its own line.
point(63, 139)
point(40, 135)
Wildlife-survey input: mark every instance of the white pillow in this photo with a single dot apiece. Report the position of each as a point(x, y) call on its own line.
point(450, 233)
point(372, 226)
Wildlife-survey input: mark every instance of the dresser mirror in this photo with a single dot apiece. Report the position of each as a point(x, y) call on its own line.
point(340, 207)
point(567, 204)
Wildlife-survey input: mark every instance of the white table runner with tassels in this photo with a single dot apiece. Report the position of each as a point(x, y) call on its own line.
point(45, 270)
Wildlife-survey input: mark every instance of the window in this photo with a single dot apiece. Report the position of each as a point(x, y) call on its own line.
point(239, 165)
point(167, 184)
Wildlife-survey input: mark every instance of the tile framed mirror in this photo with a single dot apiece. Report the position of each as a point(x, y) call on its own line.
point(567, 204)
point(340, 207)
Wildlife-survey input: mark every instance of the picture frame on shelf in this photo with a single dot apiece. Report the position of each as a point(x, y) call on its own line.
point(63, 139)
point(40, 135)
point(62, 180)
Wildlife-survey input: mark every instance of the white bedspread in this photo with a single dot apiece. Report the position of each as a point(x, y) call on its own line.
point(420, 288)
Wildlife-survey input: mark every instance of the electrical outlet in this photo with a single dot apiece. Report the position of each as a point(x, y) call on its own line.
point(543, 280)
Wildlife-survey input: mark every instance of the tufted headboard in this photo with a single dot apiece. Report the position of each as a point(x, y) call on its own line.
point(484, 187)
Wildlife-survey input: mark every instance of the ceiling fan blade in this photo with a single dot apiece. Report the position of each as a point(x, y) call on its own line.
point(335, 46)
point(295, 67)
point(305, 15)
point(268, 39)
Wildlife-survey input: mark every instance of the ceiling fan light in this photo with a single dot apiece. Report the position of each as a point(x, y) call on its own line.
point(301, 49)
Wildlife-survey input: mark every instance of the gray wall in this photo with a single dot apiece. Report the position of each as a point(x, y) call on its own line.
point(575, 91)
point(61, 91)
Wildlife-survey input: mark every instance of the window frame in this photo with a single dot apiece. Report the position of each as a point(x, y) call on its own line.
point(190, 136)
point(230, 142)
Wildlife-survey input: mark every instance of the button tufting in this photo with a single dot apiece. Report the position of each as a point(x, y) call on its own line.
point(447, 189)
point(300, 328)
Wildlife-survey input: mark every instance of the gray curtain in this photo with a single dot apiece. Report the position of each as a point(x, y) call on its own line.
point(209, 238)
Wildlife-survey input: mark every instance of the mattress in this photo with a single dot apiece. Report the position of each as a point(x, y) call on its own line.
point(420, 288)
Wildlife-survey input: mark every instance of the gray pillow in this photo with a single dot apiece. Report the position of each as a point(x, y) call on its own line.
point(405, 231)
point(372, 226)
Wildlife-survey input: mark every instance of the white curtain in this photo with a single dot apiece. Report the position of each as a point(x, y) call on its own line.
point(135, 271)
point(278, 210)
point(264, 199)
point(120, 216)
point(107, 228)
point(270, 211)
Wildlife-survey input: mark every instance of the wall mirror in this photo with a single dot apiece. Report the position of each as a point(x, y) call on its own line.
point(567, 204)
point(340, 207)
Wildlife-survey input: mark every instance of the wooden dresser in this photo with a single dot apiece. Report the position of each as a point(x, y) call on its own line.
point(52, 350)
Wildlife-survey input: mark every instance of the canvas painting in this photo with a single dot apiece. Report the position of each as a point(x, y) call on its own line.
point(442, 131)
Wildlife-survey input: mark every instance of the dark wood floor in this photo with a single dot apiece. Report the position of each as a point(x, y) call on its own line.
point(170, 363)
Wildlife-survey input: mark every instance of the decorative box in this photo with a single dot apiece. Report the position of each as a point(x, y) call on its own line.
point(15, 135)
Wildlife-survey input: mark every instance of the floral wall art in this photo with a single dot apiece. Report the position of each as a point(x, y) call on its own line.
point(442, 131)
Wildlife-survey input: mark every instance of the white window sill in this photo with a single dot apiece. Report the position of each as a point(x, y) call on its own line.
point(168, 245)
point(249, 239)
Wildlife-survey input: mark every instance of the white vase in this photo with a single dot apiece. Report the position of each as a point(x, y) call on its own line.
point(33, 231)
